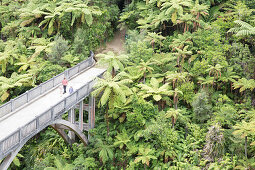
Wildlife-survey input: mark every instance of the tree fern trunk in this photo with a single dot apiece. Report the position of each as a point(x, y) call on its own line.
point(113, 73)
point(175, 102)
point(245, 149)
point(173, 121)
point(107, 121)
point(144, 77)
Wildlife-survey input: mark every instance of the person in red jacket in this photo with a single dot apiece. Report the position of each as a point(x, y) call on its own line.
point(64, 83)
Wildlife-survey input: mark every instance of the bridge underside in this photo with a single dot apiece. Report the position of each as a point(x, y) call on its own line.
point(61, 126)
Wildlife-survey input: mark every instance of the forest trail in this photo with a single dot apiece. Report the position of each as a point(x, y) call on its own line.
point(116, 44)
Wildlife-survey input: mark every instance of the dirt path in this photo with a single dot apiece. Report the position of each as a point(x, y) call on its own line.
point(115, 45)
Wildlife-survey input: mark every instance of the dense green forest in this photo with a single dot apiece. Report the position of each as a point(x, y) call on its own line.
point(181, 96)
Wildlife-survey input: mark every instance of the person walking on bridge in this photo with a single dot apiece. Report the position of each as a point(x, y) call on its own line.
point(64, 83)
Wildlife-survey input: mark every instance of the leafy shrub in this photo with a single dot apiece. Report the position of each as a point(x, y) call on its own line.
point(201, 107)
point(214, 143)
point(58, 49)
point(48, 71)
point(81, 44)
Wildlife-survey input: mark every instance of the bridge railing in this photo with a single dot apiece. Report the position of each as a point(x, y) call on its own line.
point(26, 97)
point(23, 134)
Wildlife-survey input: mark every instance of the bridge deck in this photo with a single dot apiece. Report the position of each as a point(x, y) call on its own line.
point(33, 109)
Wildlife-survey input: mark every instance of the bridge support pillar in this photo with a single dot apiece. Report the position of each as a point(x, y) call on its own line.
point(91, 116)
point(71, 119)
point(81, 115)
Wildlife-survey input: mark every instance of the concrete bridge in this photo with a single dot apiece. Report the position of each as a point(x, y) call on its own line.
point(43, 106)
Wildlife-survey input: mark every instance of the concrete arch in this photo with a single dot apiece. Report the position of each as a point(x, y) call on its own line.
point(58, 125)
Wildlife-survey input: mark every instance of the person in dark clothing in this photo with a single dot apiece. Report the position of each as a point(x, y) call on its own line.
point(64, 83)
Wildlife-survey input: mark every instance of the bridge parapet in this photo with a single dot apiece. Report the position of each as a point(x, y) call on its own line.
point(44, 87)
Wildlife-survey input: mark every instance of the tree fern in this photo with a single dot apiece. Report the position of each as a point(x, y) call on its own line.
point(244, 84)
point(15, 80)
point(113, 61)
point(114, 91)
point(244, 29)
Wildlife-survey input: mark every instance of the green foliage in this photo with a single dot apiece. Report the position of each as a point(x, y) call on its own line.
point(16, 161)
point(244, 84)
point(80, 39)
point(16, 80)
point(188, 92)
point(48, 71)
point(145, 155)
point(114, 90)
point(226, 115)
point(174, 49)
point(241, 59)
point(122, 140)
point(10, 52)
point(244, 29)
point(154, 90)
point(69, 59)
point(85, 163)
point(105, 152)
point(60, 165)
point(160, 133)
point(114, 62)
point(201, 107)
point(214, 143)
point(137, 48)
point(58, 49)
point(142, 111)
point(238, 10)
point(174, 8)
point(244, 129)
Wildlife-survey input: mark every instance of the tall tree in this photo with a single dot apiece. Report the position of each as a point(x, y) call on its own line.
point(181, 41)
point(114, 62)
point(182, 54)
point(215, 71)
point(229, 76)
point(25, 62)
point(176, 92)
point(176, 78)
point(198, 10)
point(173, 113)
point(186, 20)
point(244, 129)
point(12, 50)
point(155, 90)
point(175, 8)
point(154, 38)
point(145, 67)
point(113, 89)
